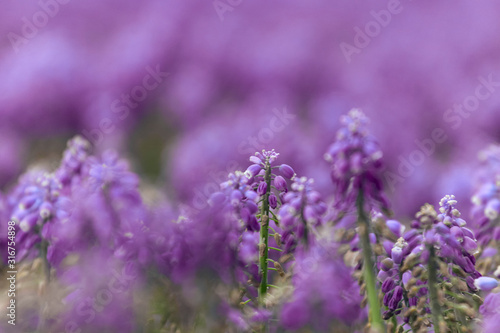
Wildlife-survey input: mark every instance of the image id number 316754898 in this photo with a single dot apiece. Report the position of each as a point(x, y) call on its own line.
point(11, 273)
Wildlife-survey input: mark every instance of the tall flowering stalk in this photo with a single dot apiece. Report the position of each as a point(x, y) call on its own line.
point(369, 275)
point(356, 163)
point(429, 276)
point(448, 241)
point(41, 206)
point(262, 176)
point(264, 222)
point(255, 197)
point(486, 210)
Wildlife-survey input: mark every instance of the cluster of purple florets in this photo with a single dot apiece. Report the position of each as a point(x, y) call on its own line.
point(268, 253)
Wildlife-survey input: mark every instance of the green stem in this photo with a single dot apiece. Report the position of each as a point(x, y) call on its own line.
point(432, 283)
point(245, 302)
point(303, 219)
point(46, 265)
point(46, 272)
point(395, 324)
point(264, 236)
point(405, 293)
point(369, 274)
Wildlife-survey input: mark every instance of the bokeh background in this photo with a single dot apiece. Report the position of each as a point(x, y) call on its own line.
point(188, 89)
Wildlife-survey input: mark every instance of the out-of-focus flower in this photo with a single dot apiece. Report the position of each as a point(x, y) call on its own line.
point(74, 157)
point(313, 302)
point(356, 161)
point(101, 290)
point(490, 313)
point(38, 208)
point(302, 211)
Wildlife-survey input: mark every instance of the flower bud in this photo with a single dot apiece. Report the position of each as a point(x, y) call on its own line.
point(262, 189)
point(387, 315)
point(413, 291)
point(253, 170)
point(388, 245)
point(251, 206)
point(398, 293)
point(236, 197)
point(28, 222)
point(262, 249)
point(469, 245)
point(395, 227)
point(254, 159)
point(388, 285)
point(251, 195)
point(280, 183)
point(485, 283)
point(279, 268)
point(497, 272)
point(387, 298)
point(457, 233)
point(264, 220)
point(286, 171)
point(396, 298)
point(386, 264)
point(467, 232)
point(216, 199)
point(28, 201)
point(410, 234)
point(46, 210)
point(492, 208)
point(277, 239)
point(397, 251)
point(273, 201)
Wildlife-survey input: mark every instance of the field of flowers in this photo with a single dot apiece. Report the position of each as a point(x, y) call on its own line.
point(250, 166)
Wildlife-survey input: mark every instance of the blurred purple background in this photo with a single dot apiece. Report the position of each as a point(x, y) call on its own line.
point(188, 90)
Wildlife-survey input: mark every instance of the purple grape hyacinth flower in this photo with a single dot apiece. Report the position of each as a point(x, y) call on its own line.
point(39, 206)
point(74, 157)
point(302, 210)
point(356, 161)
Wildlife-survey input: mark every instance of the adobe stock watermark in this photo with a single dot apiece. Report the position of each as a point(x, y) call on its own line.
point(223, 6)
point(278, 122)
point(32, 25)
point(87, 308)
point(127, 102)
point(454, 117)
point(372, 29)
